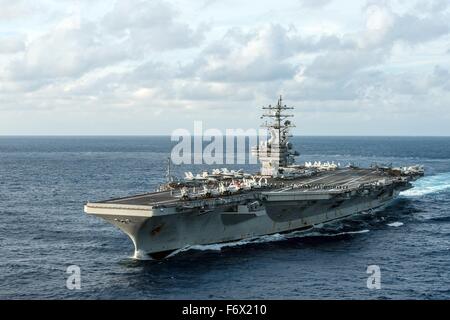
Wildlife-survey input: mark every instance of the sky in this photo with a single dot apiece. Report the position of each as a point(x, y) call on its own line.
point(95, 67)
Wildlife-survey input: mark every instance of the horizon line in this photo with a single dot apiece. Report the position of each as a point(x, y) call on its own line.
point(168, 135)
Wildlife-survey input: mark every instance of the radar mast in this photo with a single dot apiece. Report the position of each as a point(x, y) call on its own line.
point(276, 153)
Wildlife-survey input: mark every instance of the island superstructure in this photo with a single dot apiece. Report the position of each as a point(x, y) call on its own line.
point(226, 205)
point(276, 154)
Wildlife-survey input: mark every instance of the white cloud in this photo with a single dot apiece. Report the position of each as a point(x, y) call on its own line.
point(265, 54)
point(385, 27)
point(432, 6)
point(151, 25)
point(11, 10)
point(170, 62)
point(314, 3)
point(12, 44)
point(66, 51)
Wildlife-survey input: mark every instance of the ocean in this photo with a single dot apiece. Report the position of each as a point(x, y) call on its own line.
point(44, 182)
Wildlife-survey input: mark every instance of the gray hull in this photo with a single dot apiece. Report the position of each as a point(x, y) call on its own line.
point(163, 232)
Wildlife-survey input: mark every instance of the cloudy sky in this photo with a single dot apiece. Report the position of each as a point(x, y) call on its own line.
point(359, 67)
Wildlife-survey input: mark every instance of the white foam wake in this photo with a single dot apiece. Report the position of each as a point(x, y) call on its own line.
point(141, 255)
point(395, 224)
point(264, 239)
point(219, 246)
point(429, 184)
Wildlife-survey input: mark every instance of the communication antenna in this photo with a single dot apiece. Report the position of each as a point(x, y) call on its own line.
point(276, 153)
point(278, 116)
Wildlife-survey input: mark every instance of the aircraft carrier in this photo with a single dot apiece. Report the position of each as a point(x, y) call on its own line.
point(226, 205)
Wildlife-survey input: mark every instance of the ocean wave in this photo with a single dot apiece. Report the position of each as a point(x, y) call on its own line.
point(428, 185)
point(439, 219)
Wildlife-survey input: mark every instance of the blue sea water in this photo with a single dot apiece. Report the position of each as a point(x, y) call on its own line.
point(44, 182)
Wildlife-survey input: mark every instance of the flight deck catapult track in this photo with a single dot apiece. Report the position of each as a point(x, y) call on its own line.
point(224, 206)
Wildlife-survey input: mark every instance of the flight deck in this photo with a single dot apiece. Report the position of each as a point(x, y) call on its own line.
point(336, 181)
